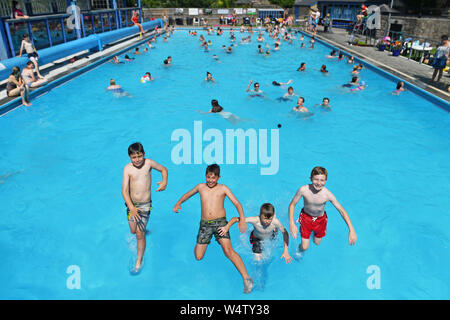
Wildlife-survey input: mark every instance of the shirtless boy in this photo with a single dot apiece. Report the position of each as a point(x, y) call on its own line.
point(212, 197)
point(265, 227)
point(313, 218)
point(136, 183)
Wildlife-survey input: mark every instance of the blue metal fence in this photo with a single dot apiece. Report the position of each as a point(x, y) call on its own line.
point(49, 30)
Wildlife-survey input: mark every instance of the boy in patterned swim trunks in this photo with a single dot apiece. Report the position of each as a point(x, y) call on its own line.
point(136, 183)
point(313, 218)
point(212, 197)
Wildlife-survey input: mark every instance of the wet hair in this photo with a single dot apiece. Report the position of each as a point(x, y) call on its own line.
point(137, 48)
point(136, 148)
point(26, 35)
point(276, 83)
point(291, 88)
point(319, 170)
point(326, 99)
point(400, 84)
point(213, 168)
point(166, 61)
point(215, 106)
point(333, 52)
point(112, 82)
point(267, 210)
point(354, 78)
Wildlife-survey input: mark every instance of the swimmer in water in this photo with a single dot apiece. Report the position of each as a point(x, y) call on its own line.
point(325, 106)
point(127, 58)
point(260, 50)
point(278, 84)
point(323, 69)
point(216, 108)
point(256, 92)
point(215, 57)
point(209, 77)
point(137, 51)
point(117, 90)
point(302, 67)
point(351, 60)
point(361, 86)
point(352, 83)
point(147, 77)
point(400, 87)
point(300, 107)
point(355, 70)
point(116, 60)
point(289, 94)
point(332, 54)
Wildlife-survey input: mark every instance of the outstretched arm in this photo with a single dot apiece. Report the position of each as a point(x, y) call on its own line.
point(164, 172)
point(238, 206)
point(292, 226)
point(223, 230)
point(251, 81)
point(285, 254)
point(351, 234)
point(186, 196)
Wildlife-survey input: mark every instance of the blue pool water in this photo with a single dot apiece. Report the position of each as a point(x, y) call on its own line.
point(61, 173)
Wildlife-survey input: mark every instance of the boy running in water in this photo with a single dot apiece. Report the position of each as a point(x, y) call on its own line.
point(136, 183)
point(212, 197)
point(313, 218)
point(265, 227)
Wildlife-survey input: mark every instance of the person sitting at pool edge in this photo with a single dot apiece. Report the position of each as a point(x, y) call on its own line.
point(16, 86)
point(29, 78)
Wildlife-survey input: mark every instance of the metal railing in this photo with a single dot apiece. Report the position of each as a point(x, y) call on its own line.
point(49, 30)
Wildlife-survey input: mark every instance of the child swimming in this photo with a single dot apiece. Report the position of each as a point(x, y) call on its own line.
point(147, 77)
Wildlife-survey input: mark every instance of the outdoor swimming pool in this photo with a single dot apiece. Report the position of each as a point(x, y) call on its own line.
point(61, 173)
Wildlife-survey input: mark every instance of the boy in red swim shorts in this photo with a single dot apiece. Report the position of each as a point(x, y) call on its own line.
point(313, 218)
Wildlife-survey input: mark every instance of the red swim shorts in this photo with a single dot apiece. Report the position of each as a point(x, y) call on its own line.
point(309, 224)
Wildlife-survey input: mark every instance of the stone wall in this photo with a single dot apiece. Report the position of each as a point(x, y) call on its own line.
point(426, 28)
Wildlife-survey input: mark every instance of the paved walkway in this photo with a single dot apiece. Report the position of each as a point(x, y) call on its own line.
point(412, 71)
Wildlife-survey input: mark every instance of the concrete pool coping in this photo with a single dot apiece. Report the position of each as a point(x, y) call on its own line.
point(65, 74)
point(59, 75)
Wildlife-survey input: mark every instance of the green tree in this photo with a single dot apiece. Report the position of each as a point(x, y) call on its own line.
point(283, 3)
